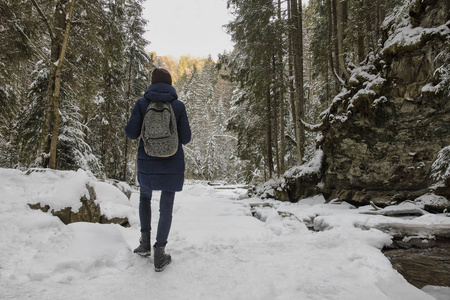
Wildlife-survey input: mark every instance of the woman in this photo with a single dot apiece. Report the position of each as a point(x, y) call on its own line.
point(158, 173)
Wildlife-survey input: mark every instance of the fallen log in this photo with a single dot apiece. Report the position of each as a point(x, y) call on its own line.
point(390, 212)
point(406, 229)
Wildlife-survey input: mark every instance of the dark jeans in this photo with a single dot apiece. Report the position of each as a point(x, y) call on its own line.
point(165, 214)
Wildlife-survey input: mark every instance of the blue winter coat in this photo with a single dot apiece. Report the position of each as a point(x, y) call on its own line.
point(160, 173)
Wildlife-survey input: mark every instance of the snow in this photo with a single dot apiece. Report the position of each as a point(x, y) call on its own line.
point(431, 199)
point(219, 250)
point(57, 189)
point(429, 87)
point(402, 33)
point(113, 203)
point(408, 35)
point(441, 166)
point(313, 166)
point(438, 292)
point(380, 100)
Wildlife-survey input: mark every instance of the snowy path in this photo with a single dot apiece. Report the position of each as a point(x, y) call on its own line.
point(219, 252)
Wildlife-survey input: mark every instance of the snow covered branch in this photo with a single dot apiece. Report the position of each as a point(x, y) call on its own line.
point(313, 127)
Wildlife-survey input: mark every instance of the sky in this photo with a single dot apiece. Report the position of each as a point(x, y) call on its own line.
point(181, 27)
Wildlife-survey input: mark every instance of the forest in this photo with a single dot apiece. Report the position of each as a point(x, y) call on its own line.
point(319, 165)
point(71, 71)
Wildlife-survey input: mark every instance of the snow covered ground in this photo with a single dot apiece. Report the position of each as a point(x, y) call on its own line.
point(219, 250)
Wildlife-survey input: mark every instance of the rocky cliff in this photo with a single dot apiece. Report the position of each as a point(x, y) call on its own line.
point(386, 136)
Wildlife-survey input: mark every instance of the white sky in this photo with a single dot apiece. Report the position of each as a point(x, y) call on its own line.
point(195, 27)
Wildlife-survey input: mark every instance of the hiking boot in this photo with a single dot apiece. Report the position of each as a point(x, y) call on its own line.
point(144, 248)
point(161, 259)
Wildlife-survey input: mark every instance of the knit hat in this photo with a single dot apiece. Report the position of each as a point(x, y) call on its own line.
point(161, 75)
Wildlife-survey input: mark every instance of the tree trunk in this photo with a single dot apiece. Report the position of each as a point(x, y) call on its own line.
point(269, 133)
point(291, 74)
point(297, 47)
point(332, 48)
point(282, 167)
point(275, 115)
point(335, 36)
point(361, 33)
point(106, 140)
point(381, 14)
point(341, 25)
point(369, 30)
point(56, 39)
point(43, 143)
point(127, 104)
point(56, 93)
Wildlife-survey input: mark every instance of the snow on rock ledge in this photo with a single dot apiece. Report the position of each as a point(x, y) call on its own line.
point(297, 183)
point(75, 197)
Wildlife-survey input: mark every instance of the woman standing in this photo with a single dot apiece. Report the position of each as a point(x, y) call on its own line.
point(158, 173)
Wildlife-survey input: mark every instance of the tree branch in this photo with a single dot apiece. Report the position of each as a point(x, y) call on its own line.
point(291, 140)
point(36, 48)
point(50, 31)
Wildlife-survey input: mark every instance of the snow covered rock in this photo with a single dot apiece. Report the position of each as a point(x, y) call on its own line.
point(434, 203)
point(124, 187)
point(297, 183)
point(89, 211)
point(76, 197)
point(302, 181)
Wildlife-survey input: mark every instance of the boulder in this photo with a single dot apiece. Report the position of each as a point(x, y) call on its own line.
point(89, 211)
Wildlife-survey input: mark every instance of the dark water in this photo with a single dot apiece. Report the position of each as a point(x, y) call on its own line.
point(422, 262)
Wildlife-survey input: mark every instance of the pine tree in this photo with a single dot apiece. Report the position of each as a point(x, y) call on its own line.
point(136, 73)
point(93, 61)
point(254, 32)
point(17, 48)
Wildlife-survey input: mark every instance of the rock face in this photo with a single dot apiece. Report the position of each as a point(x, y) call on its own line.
point(384, 131)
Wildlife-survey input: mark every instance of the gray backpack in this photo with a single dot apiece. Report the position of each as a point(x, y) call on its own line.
point(159, 130)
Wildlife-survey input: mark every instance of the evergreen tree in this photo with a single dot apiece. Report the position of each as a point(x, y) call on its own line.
point(136, 72)
point(18, 39)
point(104, 46)
point(254, 32)
point(211, 154)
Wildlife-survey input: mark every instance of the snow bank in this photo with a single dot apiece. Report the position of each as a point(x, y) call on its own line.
point(219, 250)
